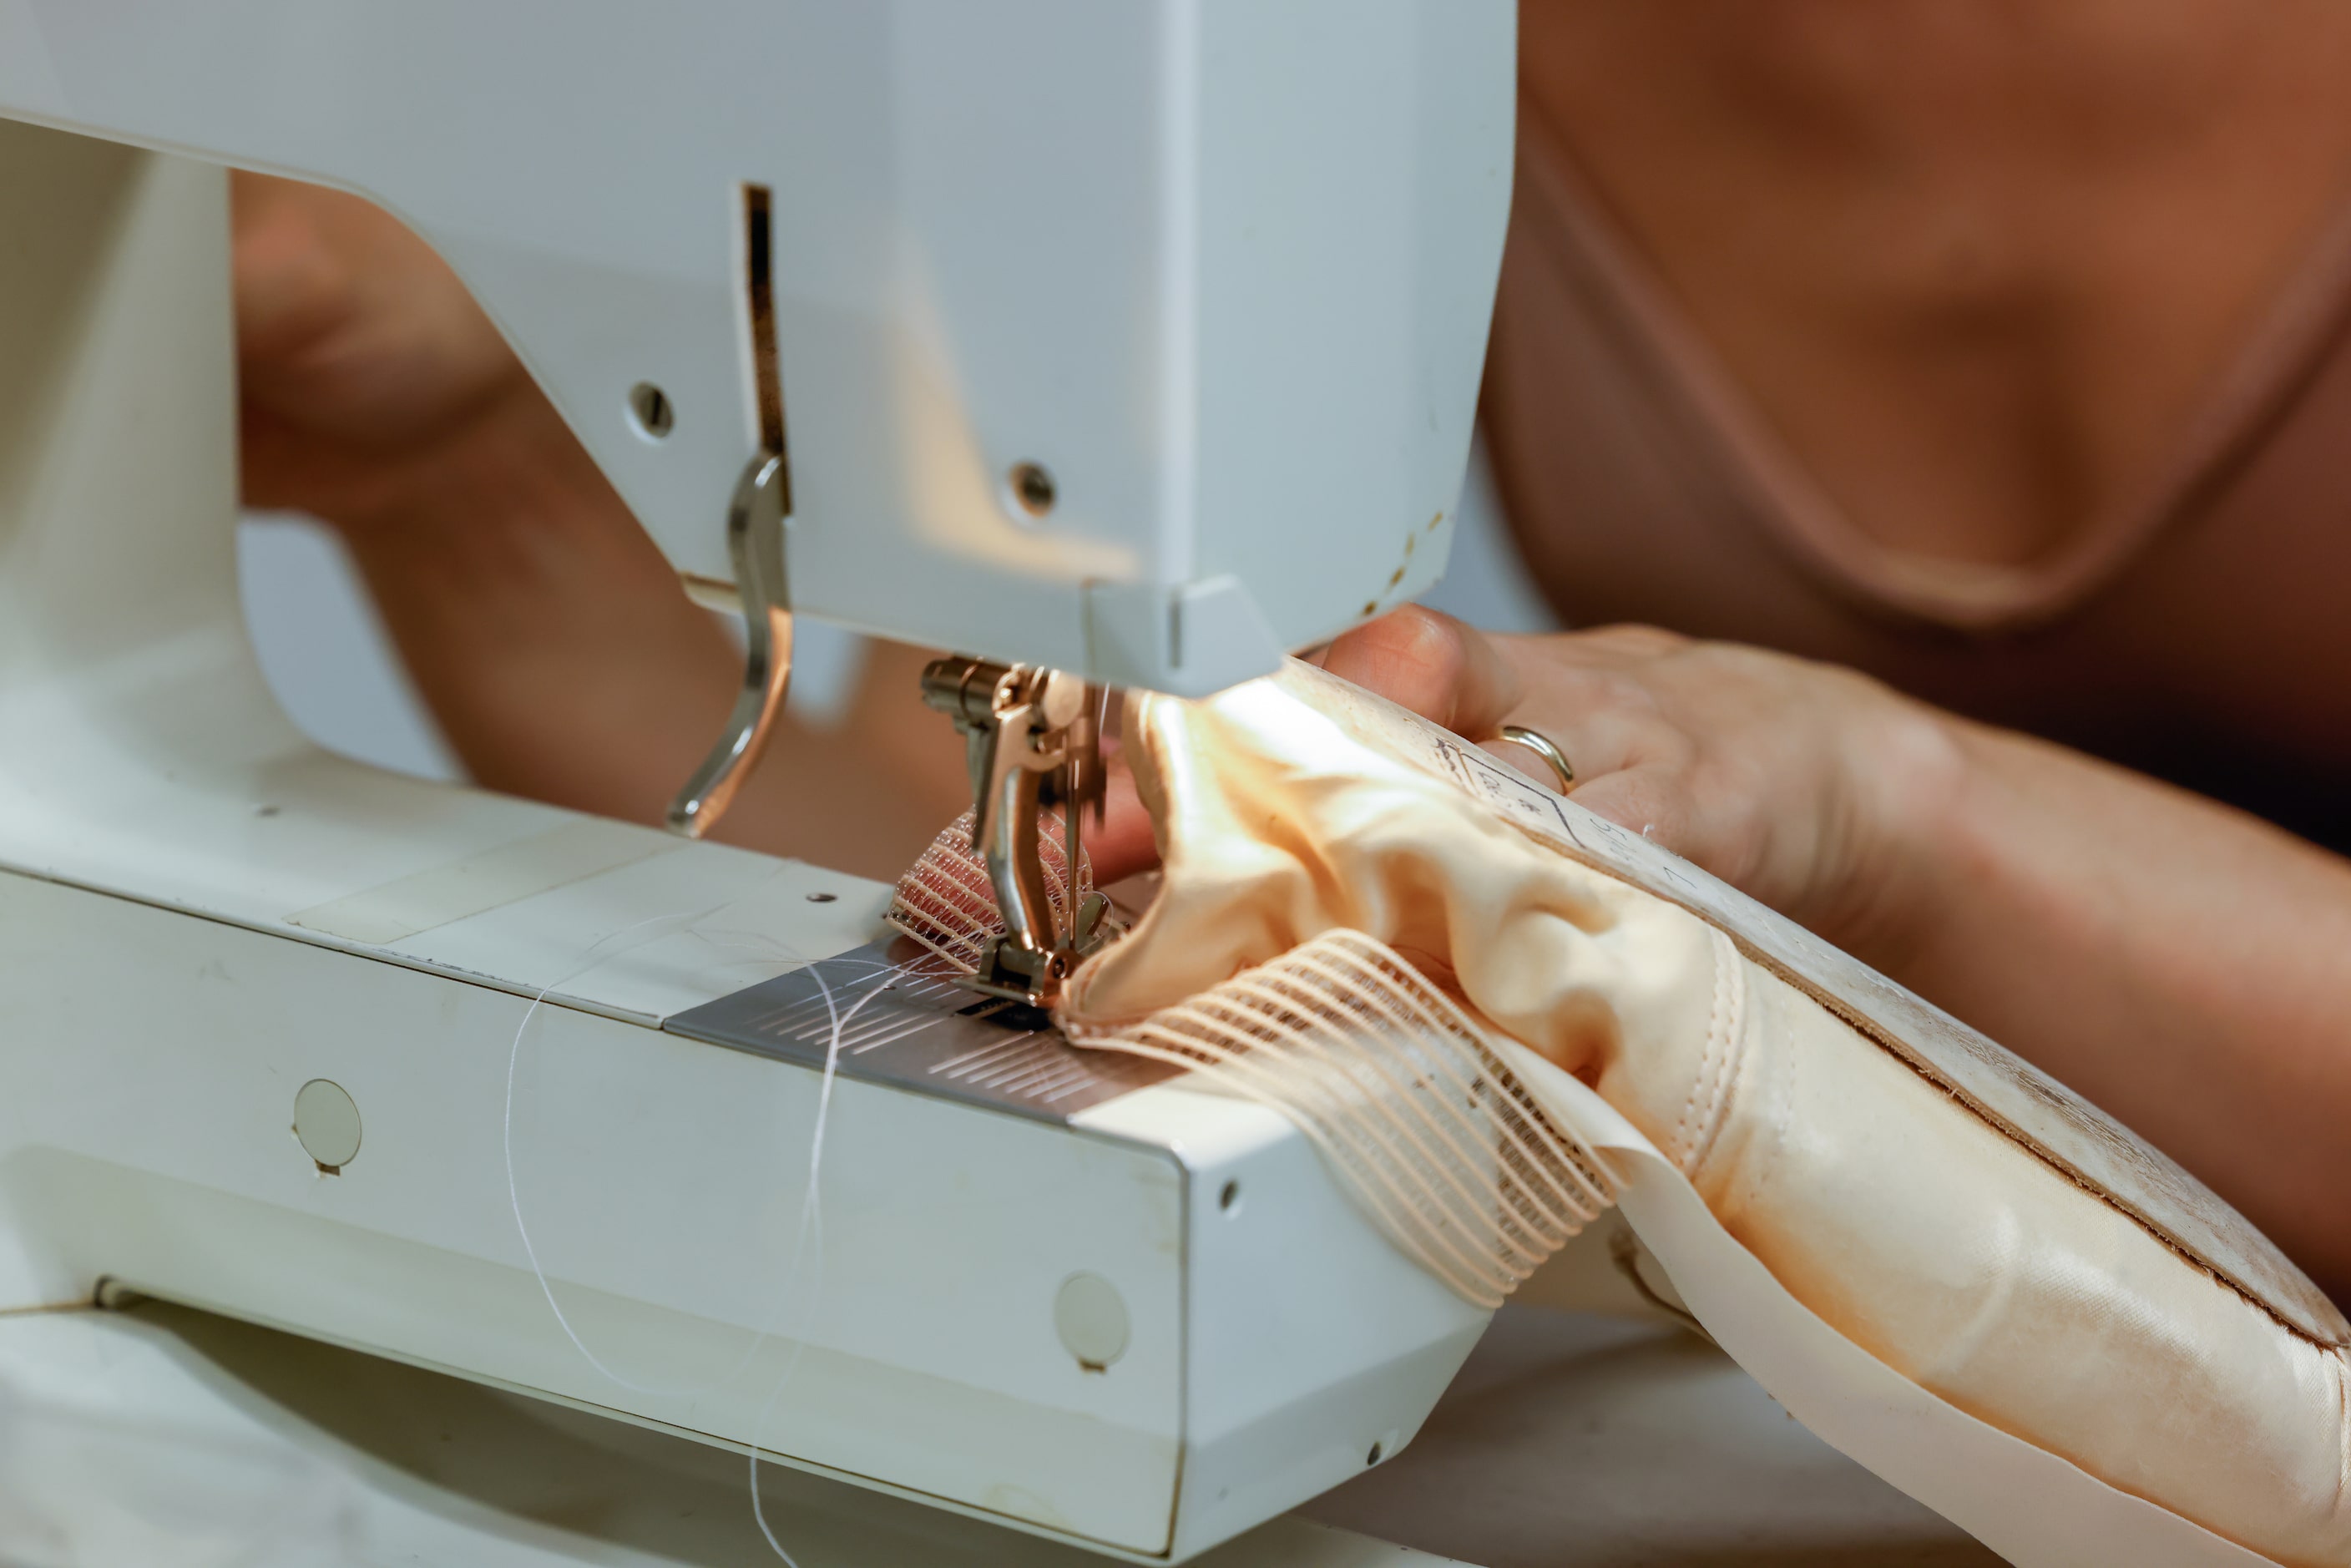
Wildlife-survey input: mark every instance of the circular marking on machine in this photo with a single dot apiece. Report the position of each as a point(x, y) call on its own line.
point(1090, 1317)
point(327, 1121)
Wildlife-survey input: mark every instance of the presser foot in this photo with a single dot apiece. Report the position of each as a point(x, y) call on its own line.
point(1026, 975)
point(1032, 739)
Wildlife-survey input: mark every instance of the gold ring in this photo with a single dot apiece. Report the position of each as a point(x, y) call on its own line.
point(1543, 746)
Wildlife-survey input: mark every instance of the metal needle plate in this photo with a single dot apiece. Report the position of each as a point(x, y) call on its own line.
point(905, 1022)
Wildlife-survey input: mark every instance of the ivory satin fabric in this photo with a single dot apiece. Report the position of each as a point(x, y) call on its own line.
point(1952, 1245)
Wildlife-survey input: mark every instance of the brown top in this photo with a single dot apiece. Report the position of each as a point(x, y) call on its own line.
point(2200, 631)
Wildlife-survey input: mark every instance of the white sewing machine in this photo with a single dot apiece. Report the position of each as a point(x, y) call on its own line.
point(1136, 340)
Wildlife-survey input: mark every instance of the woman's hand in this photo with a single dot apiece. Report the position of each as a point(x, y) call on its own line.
point(2179, 963)
point(1805, 786)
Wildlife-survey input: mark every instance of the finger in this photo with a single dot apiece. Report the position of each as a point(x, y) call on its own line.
point(1717, 831)
point(1653, 802)
point(1603, 716)
point(1431, 663)
point(1627, 642)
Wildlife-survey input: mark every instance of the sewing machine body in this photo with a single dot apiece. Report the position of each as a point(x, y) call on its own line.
point(1254, 389)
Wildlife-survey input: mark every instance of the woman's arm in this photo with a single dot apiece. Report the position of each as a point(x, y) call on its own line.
point(2184, 965)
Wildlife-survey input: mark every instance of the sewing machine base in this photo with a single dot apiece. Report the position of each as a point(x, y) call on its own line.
point(1144, 1326)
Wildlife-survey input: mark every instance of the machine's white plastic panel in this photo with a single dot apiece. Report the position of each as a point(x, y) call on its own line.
point(1222, 266)
point(1355, 160)
point(153, 1063)
point(1368, 1332)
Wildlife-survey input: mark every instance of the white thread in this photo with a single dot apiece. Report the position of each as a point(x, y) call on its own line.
point(811, 1223)
point(810, 1218)
point(514, 1191)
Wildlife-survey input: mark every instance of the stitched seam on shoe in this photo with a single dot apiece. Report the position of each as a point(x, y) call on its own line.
point(1690, 1128)
point(1731, 1018)
point(1681, 1139)
point(1729, 1021)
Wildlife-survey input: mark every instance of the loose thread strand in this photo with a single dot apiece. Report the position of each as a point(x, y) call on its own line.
point(811, 1225)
